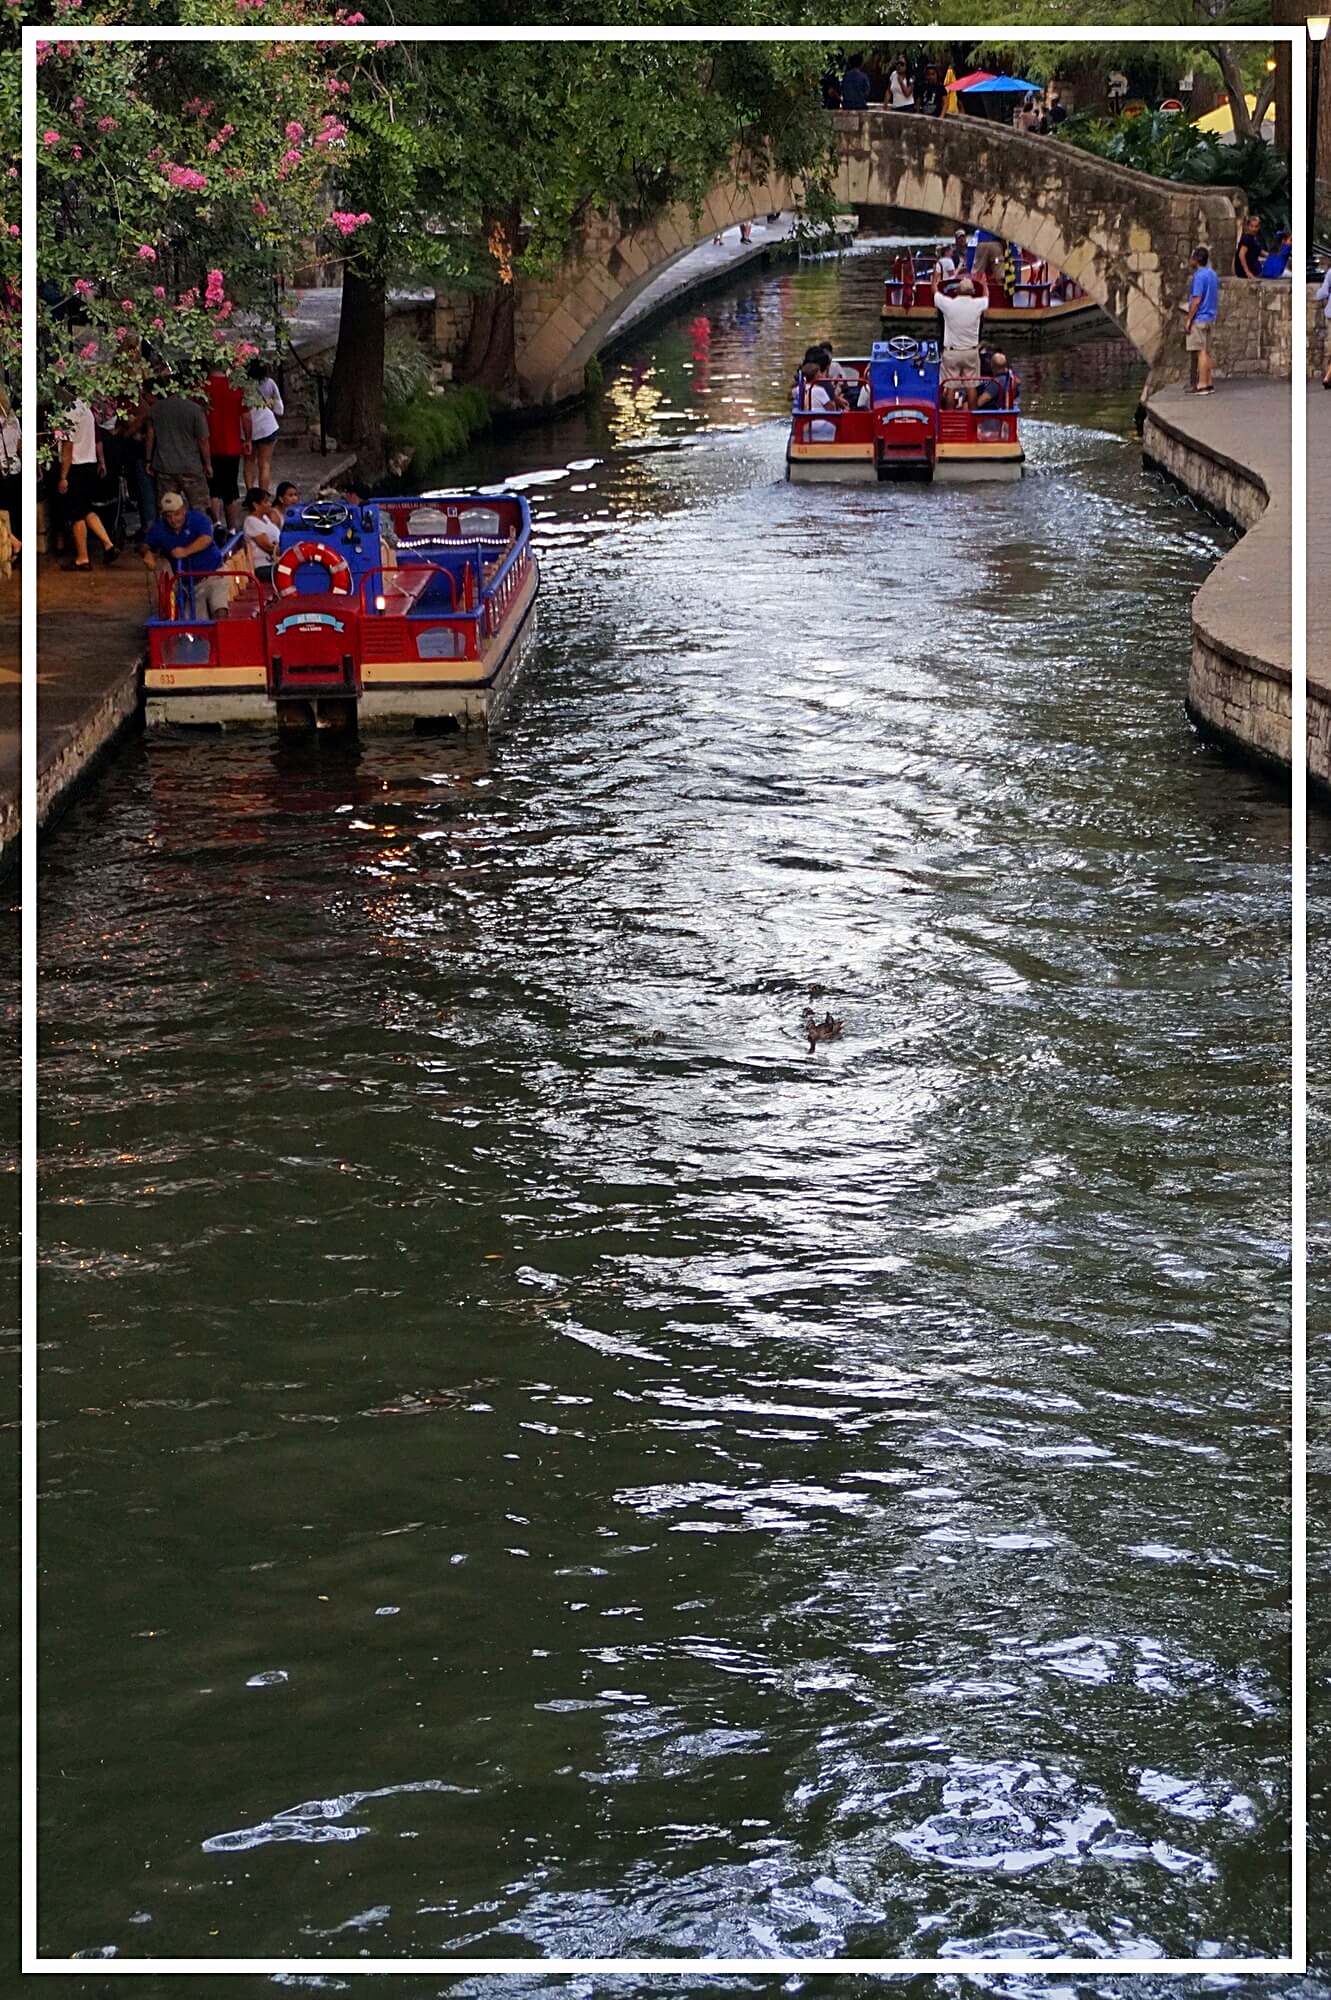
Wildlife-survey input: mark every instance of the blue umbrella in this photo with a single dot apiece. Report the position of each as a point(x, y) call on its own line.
point(995, 83)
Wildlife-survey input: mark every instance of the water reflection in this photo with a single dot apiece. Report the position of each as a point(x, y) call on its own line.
point(546, 1461)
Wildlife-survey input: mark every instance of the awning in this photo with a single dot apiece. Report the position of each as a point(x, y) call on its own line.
point(1221, 121)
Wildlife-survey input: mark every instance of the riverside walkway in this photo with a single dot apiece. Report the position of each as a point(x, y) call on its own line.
point(1231, 451)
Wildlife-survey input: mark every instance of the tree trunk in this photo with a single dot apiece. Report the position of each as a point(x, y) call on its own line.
point(489, 359)
point(1286, 14)
point(356, 390)
point(1227, 58)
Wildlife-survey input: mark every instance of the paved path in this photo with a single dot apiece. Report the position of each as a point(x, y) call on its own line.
point(1245, 427)
point(696, 268)
point(11, 600)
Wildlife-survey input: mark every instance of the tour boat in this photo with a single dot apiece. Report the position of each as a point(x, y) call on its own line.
point(909, 428)
point(396, 611)
point(1041, 297)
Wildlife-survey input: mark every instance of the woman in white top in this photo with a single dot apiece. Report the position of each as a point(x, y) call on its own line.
point(900, 91)
point(263, 399)
point(11, 461)
point(262, 532)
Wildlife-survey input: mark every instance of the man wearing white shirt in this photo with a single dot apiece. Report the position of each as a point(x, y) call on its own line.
point(961, 337)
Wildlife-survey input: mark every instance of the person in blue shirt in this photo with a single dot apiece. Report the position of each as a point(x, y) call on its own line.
point(182, 539)
point(1276, 262)
point(1203, 304)
point(855, 86)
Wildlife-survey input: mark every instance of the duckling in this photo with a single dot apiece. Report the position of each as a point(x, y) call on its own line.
point(826, 1030)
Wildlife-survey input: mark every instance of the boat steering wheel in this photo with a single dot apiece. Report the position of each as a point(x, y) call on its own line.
point(326, 514)
point(902, 347)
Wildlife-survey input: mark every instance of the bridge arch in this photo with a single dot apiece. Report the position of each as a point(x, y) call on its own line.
point(1125, 237)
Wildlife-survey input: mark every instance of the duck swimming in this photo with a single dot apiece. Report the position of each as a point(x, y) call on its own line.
point(826, 1030)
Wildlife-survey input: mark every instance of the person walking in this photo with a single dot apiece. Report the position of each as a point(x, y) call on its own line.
point(82, 469)
point(1202, 307)
point(179, 457)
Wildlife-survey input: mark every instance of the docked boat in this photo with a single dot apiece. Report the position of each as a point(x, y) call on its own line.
point(1025, 295)
point(398, 611)
point(904, 422)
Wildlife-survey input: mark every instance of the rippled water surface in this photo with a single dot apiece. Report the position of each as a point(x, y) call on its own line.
point(538, 1461)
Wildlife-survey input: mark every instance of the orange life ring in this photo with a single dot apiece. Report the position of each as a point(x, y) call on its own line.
point(335, 566)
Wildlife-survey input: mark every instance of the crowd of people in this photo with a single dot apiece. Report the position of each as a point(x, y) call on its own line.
point(903, 83)
point(189, 449)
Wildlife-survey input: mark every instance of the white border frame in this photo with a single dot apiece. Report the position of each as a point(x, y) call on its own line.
point(901, 1968)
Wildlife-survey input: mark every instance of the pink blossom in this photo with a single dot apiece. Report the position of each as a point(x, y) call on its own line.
point(159, 291)
point(50, 138)
point(78, 152)
point(291, 157)
point(214, 146)
point(187, 178)
point(121, 332)
point(346, 223)
point(295, 130)
point(216, 290)
point(226, 132)
point(13, 229)
point(158, 324)
point(148, 254)
point(189, 299)
point(331, 131)
point(107, 124)
point(245, 351)
point(83, 288)
point(261, 208)
point(88, 353)
point(127, 305)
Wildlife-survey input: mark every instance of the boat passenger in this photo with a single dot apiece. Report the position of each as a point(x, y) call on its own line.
point(818, 396)
point(1000, 386)
point(181, 540)
point(961, 337)
point(286, 496)
point(832, 368)
point(262, 531)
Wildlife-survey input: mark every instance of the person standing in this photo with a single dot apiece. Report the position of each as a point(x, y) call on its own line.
point(901, 93)
point(11, 468)
point(264, 401)
point(1203, 305)
point(855, 85)
point(82, 469)
point(961, 338)
point(179, 457)
point(228, 443)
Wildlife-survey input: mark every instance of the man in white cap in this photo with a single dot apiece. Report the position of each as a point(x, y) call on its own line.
point(181, 540)
point(961, 340)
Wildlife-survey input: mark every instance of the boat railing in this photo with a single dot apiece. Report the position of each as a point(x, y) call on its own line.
point(380, 586)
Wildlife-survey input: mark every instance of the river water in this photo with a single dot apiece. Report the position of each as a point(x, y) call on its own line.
point(536, 1460)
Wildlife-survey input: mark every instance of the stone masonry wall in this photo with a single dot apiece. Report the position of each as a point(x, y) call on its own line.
point(1317, 326)
point(1254, 328)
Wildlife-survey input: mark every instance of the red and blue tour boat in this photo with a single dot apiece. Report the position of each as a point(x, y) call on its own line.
point(1026, 294)
point(905, 423)
point(389, 611)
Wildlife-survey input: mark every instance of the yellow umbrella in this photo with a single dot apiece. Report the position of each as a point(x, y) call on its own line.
point(951, 108)
point(1221, 121)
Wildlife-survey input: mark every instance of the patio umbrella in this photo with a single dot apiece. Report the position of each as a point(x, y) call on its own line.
point(972, 76)
point(994, 84)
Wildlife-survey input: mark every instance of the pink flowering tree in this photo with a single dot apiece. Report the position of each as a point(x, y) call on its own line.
point(177, 186)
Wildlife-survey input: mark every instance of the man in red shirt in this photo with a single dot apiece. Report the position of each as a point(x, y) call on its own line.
point(228, 442)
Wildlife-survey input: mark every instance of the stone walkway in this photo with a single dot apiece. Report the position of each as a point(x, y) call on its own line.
point(1245, 426)
point(697, 268)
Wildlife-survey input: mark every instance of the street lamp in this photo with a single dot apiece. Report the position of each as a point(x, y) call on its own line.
point(1318, 25)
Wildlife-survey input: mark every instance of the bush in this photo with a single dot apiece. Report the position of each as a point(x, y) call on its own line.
point(1173, 150)
point(435, 423)
point(406, 365)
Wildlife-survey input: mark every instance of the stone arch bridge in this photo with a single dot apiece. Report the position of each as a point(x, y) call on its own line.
point(1125, 237)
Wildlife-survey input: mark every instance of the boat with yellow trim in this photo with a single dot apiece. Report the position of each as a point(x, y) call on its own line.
point(396, 611)
point(901, 421)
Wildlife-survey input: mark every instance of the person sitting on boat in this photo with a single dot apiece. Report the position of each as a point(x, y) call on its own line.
point(999, 387)
point(832, 368)
point(181, 541)
point(262, 530)
point(815, 395)
point(961, 337)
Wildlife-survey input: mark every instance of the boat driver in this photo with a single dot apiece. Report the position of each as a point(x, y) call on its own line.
point(181, 540)
point(1000, 387)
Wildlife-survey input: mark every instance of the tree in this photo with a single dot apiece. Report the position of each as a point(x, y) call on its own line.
point(173, 182)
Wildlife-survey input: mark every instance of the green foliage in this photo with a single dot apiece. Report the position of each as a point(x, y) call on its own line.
point(1173, 150)
point(434, 424)
point(406, 365)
